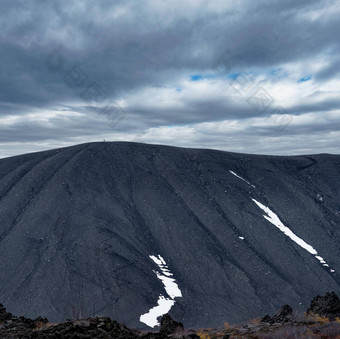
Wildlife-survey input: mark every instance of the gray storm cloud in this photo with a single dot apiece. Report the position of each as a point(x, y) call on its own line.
point(220, 75)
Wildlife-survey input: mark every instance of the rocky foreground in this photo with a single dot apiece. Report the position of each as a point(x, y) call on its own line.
point(322, 320)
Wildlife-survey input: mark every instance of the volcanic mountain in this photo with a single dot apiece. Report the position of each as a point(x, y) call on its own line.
point(132, 231)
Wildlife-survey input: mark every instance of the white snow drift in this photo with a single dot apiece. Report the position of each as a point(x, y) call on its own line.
point(274, 219)
point(164, 304)
point(238, 176)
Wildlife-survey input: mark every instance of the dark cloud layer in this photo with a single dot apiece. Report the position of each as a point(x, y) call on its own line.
point(141, 55)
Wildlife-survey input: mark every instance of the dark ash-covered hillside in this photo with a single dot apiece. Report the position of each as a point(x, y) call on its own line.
point(79, 224)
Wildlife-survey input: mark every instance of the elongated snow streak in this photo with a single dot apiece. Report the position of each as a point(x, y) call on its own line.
point(164, 304)
point(274, 219)
point(236, 175)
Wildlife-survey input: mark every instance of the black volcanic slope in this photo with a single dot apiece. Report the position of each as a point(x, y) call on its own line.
point(78, 225)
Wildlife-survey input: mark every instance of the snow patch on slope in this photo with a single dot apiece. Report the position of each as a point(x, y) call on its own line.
point(274, 219)
point(236, 175)
point(164, 304)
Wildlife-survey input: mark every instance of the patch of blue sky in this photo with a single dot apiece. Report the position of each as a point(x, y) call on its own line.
point(233, 76)
point(196, 77)
point(306, 78)
point(199, 77)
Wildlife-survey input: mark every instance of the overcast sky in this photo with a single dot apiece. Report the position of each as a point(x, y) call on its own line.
point(242, 76)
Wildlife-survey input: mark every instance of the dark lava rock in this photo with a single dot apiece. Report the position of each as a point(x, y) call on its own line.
point(97, 327)
point(266, 319)
point(169, 325)
point(283, 315)
point(21, 327)
point(193, 336)
point(328, 306)
point(3, 314)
